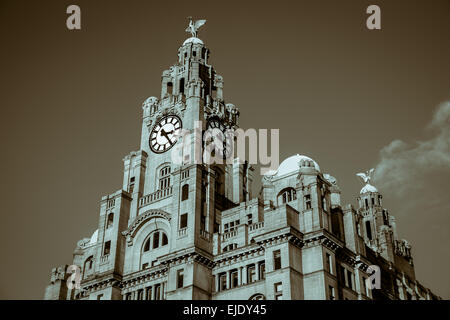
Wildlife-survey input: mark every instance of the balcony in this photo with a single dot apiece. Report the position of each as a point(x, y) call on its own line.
point(155, 196)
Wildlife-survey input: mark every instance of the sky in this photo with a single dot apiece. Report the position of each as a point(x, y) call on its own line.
point(348, 97)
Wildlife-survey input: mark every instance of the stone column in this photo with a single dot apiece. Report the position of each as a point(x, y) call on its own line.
point(244, 275)
point(228, 279)
point(217, 282)
point(239, 276)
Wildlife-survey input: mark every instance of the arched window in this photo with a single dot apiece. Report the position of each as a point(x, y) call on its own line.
point(258, 296)
point(287, 195)
point(110, 220)
point(230, 247)
point(88, 263)
point(169, 87)
point(164, 178)
point(88, 266)
point(185, 192)
point(155, 240)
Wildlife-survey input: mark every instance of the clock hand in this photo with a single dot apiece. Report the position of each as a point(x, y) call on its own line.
point(166, 135)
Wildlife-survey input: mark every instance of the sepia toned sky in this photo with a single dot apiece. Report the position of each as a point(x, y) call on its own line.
point(348, 97)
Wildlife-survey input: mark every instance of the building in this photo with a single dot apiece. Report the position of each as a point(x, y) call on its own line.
point(197, 231)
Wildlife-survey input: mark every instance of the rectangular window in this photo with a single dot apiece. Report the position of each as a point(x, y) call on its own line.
point(341, 274)
point(331, 293)
point(277, 259)
point(251, 273)
point(350, 279)
point(278, 291)
point(183, 220)
point(329, 262)
point(262, 271)
point(324, 204)
point(107, 248)
point(249, 219)
point(144, 266)
point(308, 201)
point(234, 279)
point(222, 282)
point(225, 229)
point(369, 230)
point(140, 294)
point(158, 292)
point(149, 293)
point(180, 278)
point(128, 296)
point(100, 297)
point(365, 288)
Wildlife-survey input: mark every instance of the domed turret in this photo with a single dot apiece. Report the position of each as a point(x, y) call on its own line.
point(294, 164)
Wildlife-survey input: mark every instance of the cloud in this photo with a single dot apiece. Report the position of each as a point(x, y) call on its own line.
point(414, 178)
point(408, 168)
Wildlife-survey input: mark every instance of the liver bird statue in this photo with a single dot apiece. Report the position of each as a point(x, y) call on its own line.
point(194, 26)
point(366, 176)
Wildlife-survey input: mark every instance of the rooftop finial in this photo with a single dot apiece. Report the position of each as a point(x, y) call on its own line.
point(366, 176)
point(194, 26)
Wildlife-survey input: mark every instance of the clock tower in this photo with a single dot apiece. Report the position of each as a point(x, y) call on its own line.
point(183, 201)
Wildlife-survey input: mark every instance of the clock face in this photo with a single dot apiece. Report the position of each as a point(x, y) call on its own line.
point(165, 134)
point(223, 148)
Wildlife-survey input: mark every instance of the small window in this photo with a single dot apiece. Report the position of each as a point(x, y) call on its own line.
point(144, 266)
point(100, 297)
point(364, 286)
point(156, 240)
point(324, 204)
point(222, 282)
point(277, 259)
point(251, 273)
point(107, 248)
point(165, 241)
point(308, 201)
point(185, 192)
point(287, 195)
point(249, 219)
point(262, 271)
point(147, 245)
point(169, 87)
point(234, 279)
point(110, 220)
point(331, 293)
point(180, 278)
point(350, 279)
point(164, 178)
point(183, 220)
point(278, 288)
point(182, 84)
point(329, 262)
point(369, 230)
point(158, 292)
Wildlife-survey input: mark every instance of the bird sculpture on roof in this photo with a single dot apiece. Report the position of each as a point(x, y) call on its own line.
point(194, 26)
point(366, 176)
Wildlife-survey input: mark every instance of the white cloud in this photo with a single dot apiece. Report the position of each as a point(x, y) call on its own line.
point(406, 168)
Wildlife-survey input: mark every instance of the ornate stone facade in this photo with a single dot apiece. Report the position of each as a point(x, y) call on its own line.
point(198, 231)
